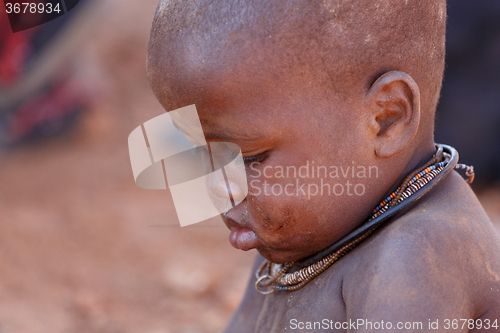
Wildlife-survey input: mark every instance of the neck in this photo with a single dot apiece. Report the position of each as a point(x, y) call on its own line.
point(373, 223)
point(419, 157)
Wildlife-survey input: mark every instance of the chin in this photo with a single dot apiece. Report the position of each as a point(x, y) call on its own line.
point(279, 257)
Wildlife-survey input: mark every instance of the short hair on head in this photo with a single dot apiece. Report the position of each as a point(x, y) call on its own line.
point(337, 43)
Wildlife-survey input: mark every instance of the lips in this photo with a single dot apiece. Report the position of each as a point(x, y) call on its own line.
point(242, 238)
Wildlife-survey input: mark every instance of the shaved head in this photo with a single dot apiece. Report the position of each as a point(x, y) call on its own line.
point(348, 82)
point(338, 45)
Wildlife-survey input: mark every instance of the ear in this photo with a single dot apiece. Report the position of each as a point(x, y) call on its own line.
point(394, 104)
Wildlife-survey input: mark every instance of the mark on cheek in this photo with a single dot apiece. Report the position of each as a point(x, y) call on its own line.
point(267, 219)
point(270, 225)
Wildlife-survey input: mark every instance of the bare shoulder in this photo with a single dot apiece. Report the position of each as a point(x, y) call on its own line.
point(440, 260)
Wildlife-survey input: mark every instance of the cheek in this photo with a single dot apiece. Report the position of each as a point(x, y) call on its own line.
point(287, 212)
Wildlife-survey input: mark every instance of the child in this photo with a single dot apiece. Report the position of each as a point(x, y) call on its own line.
point(332, 104)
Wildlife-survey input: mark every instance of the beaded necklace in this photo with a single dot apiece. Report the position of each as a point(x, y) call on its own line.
point(275, 277)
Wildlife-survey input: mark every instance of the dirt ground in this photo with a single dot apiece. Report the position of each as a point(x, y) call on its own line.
point(82, 248)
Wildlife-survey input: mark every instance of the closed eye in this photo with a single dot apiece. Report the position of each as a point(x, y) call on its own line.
point(256, 158)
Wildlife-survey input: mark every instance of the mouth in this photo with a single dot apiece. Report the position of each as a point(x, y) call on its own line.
point(240, 237)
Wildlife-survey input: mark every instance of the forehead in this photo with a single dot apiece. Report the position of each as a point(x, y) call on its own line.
point(232, 78)
point(241, 41)
point(239, 101)
point(256, 75)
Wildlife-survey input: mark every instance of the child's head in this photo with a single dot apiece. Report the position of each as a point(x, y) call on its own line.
point(320, 83)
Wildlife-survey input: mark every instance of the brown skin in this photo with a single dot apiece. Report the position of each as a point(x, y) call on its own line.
point(437, 261)
point(445, 251)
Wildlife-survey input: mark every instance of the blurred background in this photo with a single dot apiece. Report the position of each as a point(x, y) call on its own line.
point(82, 248)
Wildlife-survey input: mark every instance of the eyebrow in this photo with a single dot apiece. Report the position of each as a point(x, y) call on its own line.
point(220, 135)
point(229, 137)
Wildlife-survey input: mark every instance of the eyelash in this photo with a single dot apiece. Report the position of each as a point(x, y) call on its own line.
point(255, 158)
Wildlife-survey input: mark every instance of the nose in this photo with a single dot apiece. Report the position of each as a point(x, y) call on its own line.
point(237, 180)
point(226, 158)
point(217, 184)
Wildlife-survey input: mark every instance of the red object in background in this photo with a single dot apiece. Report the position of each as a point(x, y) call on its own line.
point(55, 104)
point(47, 112)
point(14, 50)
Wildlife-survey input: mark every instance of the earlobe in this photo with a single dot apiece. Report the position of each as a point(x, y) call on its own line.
point(394, 104)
